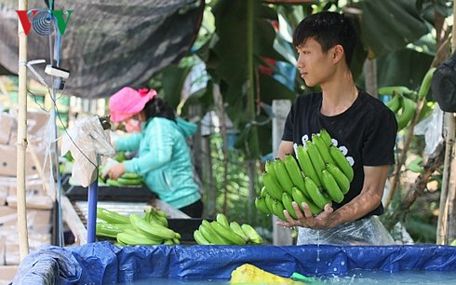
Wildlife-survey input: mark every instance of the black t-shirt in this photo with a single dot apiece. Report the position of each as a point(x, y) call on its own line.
point(367, 129)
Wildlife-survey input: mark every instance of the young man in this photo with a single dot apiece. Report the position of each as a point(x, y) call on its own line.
point(356, 120)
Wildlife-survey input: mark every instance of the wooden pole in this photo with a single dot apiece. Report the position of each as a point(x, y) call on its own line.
point(280, 109)
point(446, 223)
point(22, 138)
point(370, 73)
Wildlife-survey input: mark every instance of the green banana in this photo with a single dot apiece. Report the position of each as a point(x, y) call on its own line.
point(322, 149)
point(227, 233)
point(130, 239)
point(315, 194)
point(282, 176)
point(341, 162)
point(160, 213)
point(199, 238)
point(236, 227)
point(395, 103)
point(286, 201)
point(388, 90)
point(315, 158)
point(268, 200)
point(268, 167)
point(221, 218)
point(294, 171)
point(107, 230)
point(260, 204)
point(426, 83)
point(341, 179)
point(408, 110)
point(252, 234)
point(112, 217)
point(277, 209)
point(152, 229)
point(299, 198)
point(263, 191)
point(325, 137)
point(161, 220)
point(210, 235)
point(113, 183)
point(168, 242)
point(331, 187)
point(131, 182)
point(140, 235)
point(124, 226)
point(306, 165)
point(154, 215)
point(131, 175)
point(272, 187)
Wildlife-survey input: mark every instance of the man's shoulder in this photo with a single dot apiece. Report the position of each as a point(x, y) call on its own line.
point(375, 109)
point(372, 104)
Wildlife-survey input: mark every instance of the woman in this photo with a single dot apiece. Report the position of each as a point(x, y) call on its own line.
point(163, 156)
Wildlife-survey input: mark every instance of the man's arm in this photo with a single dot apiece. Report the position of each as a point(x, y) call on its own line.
point(369, 199)
point(285, 147)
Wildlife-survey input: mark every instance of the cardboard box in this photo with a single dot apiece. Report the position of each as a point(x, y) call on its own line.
point(33, 187)
point(33, 202)
point(37, 127)
point(7, 125)
point(33, 163)
point(3, 195)
point(7, 274)
point(12, 256)
point(2, 251)
point(37, 220)
point(36, 241)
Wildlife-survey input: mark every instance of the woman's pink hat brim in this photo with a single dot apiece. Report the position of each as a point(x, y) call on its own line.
point(128, 102)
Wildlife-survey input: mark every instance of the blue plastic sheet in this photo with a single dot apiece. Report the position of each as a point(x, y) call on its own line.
point(103, 263)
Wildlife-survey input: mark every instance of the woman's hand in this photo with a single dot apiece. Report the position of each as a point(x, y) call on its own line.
point(306, 219)
point(116, 171)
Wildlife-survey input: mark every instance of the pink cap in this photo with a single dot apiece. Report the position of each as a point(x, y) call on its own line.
point(128, 102)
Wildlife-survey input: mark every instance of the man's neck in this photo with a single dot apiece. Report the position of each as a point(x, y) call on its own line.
point(338, 94)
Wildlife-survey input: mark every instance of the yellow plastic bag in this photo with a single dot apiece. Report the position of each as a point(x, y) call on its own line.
point(250, 274)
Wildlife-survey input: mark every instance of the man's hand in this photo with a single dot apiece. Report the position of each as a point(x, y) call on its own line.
point(306, 219)
point(116, 171)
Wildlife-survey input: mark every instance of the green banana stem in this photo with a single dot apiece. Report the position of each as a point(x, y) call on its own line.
point(424, 89)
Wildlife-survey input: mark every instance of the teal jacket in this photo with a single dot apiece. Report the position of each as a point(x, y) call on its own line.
point(163, 159)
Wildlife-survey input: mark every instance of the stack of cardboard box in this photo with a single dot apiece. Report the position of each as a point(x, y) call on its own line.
point(39, 198)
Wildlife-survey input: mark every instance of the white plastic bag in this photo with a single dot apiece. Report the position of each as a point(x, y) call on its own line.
point(367, 231)
point(431, 128)
point(86, 140)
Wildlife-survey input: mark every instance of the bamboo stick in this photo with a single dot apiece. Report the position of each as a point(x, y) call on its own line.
point(22, 138)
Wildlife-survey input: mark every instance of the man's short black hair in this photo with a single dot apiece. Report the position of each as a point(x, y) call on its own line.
point(328, 29)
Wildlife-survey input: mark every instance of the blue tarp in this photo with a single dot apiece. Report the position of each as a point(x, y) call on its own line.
point(103, 263)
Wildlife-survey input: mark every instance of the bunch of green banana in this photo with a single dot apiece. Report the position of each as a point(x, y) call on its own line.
point(223, 232)
point(127, 179)
point(153, 214)
point(403, 101)
point(135, 230)
point(320, 175)
point(404, 109)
